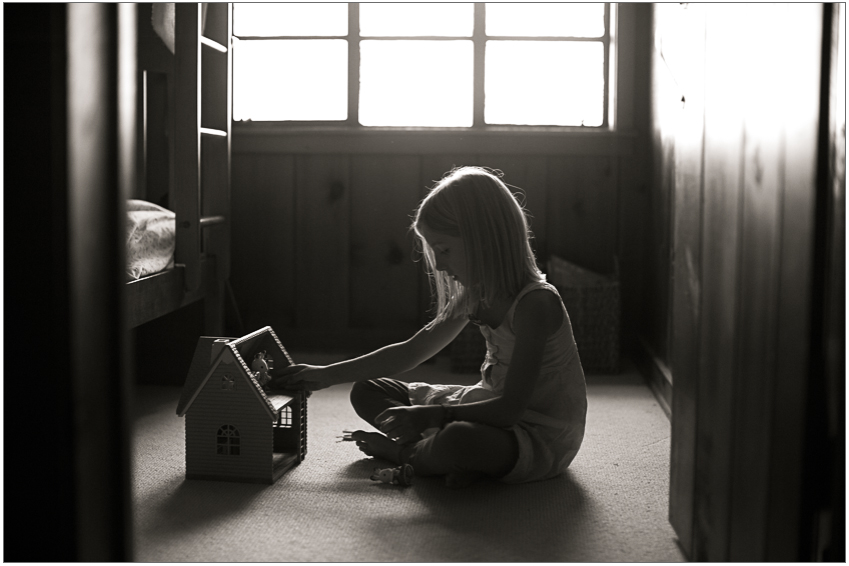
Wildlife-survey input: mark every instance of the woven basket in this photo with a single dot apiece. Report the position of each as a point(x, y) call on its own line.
point(468, 350)
point(592, 301)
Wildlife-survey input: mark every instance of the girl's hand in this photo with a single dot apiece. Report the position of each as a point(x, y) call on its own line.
point(406, 424)
point(299, 377)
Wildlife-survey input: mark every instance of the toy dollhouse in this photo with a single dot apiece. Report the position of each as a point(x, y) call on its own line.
point(235, 430)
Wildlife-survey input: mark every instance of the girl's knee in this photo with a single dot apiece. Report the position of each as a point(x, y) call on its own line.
point(460, 437)
point(365, 400)
point(367, 389)
point(358, 391)
point(372, 397)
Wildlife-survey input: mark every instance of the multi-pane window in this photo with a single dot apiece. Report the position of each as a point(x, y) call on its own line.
point(228, 441)
point(284, 417)
point(422, 64)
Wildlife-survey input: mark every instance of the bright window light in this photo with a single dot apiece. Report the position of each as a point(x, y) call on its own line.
point(290, 19)
point(416, 83)
point(545, 19)
point(413, 64)
point(410, 20)
point(551, 83)
point(290, 79)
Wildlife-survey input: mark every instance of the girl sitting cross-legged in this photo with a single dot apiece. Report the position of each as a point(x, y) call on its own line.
point(524, 420)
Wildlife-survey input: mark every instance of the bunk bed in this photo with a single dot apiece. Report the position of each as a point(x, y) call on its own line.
point(184, 114)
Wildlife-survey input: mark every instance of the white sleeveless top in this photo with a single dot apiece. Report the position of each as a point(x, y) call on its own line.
point(551, 430)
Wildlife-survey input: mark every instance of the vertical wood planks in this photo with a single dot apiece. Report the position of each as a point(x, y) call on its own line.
point(333, 226)
point(741, 277)
point(686, 267)
point(759, 246)
point(384, 281)
point(633, 243)
point(581, 210)
point(322, 228)
point(800, 76)
point(263, 228)
point(720, 269)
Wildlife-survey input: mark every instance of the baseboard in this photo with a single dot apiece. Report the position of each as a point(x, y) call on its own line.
point(657, 374)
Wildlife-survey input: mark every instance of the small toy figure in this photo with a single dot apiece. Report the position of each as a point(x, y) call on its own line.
point(261, 364)
point(402, 475)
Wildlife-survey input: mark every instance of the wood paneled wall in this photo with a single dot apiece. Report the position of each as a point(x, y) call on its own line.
point(737, 111)
point(322, 249)
point(321, 246)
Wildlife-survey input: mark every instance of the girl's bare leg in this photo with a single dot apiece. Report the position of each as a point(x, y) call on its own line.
point(462, 451)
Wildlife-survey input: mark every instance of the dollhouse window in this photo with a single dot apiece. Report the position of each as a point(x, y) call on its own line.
point(228, 383)
point(423, 64)
point(285, 417)
point(228, 441)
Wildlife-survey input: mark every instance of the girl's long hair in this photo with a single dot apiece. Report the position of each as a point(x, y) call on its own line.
point(474, 204)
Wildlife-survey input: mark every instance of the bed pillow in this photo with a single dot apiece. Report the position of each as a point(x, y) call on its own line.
point(151, 238)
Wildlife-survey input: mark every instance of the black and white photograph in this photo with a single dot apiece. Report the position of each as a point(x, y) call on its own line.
point(424, 282)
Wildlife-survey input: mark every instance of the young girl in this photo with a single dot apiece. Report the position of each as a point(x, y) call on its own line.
point(524, 420)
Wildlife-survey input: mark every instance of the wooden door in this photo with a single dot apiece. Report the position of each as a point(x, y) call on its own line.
point(745, 161)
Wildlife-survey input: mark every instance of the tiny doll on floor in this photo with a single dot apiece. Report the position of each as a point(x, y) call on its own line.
point(524, 420)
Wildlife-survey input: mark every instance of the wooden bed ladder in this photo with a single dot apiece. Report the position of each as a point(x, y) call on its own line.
point(203, 63)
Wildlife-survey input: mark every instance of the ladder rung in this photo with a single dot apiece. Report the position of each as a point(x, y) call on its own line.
point(213, 132)
point(214, 44)
point(207, 221)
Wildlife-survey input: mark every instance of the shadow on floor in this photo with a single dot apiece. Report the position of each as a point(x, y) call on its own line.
point(195, 505)
point(534, 522)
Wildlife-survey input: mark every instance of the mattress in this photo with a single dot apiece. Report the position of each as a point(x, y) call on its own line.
point(151, 239)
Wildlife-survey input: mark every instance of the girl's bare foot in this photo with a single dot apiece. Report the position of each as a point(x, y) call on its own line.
point(378, 445)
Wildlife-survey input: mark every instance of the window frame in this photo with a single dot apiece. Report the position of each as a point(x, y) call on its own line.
point(479, 39)
point(284, 417)
point(229, 447)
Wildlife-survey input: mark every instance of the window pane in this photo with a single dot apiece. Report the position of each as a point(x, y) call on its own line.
point(544, 83)
point(545, 20)
point(290, 79)
point(397, 20)
point(416, 83)
point(274, 19)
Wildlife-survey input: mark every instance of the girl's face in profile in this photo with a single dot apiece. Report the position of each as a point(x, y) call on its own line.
point(449, 253)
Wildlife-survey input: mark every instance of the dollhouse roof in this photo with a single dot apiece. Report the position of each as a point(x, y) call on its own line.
point(219, 349)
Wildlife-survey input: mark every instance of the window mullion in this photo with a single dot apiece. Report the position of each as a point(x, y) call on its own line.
point(607, 54)
point(479, 39)
point(353, 64)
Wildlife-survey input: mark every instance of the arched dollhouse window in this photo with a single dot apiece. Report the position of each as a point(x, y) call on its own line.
point(285, 417)
point(228, 383)
point(228, 441)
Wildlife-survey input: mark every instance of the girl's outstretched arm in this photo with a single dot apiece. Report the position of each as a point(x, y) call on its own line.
point(387, 361)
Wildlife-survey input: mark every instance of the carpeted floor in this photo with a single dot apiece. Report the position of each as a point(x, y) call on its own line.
point(611, 505)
